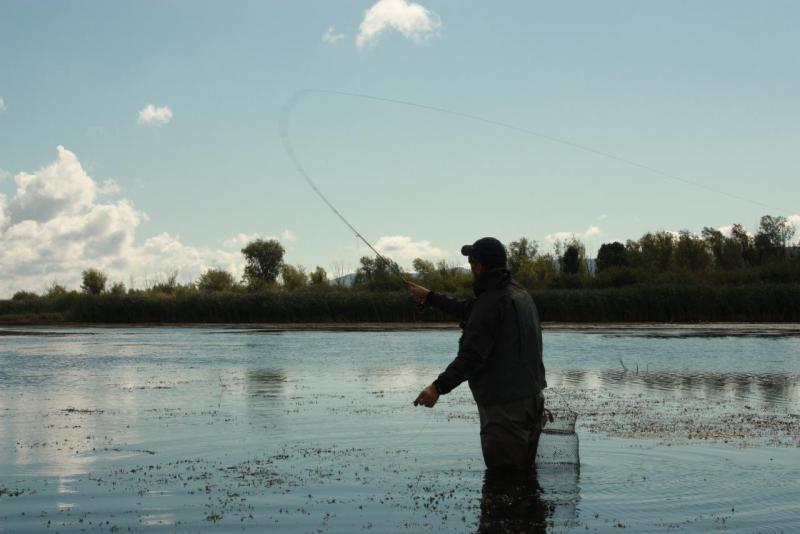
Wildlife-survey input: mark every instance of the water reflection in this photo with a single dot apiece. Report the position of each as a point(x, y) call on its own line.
point(513, 502)
point(771, 388)
point(269, 382)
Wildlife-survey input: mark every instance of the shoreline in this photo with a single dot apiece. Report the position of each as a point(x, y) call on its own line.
point(639, 328)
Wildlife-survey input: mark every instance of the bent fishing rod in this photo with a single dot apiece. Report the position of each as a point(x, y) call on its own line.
point(287, 145)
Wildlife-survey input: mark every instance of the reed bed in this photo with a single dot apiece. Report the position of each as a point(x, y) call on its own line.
point(764, 302)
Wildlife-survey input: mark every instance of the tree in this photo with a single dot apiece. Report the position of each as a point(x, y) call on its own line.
point(571, 255)
point(264, 262)
point(423, 267)
point(117, 288)
point(611, 255)
point(425, 272)
point(294, 277)
point(378, 273)
point(543, 271)
point(441, 276)
point(94, 281)
point(745, 244)
point(168, 286)
point(216, 280)
point(56, 290)
point(773, 235)
point(570, 261)
point(521, 254)
point(656, 251)
point(726, 251)
point(691, 252)
point(318, 277)
point(24, 295)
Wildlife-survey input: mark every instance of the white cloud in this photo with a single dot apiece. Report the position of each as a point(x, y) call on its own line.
point(794, 220)
point(602, 217)
point(2, 104)
point(726, 230)
point(567, 236)
point(412, 20)
point(54, 228)
point(151, 115)
point(4, 217)
point(559, 236)
point(591, 231)
point(61, 188)
point(331, 37)
point(241, 239)
point(401, 247)
point(109, 187)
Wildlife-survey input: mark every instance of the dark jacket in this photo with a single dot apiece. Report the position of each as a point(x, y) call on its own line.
point(500, 350)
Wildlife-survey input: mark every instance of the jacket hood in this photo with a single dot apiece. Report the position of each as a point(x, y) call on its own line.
point(491, 279)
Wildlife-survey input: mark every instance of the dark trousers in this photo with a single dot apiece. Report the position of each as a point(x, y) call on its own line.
point(510, 433)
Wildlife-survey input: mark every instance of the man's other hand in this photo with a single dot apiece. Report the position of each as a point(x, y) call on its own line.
point(427, 397)
point(418, 293)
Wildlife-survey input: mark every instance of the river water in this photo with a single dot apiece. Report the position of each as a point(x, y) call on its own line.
point(228, 429)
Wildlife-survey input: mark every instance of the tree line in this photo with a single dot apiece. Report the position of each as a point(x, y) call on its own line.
point(707, 258)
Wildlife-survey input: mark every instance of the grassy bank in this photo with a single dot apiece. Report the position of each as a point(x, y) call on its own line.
point(662, 303)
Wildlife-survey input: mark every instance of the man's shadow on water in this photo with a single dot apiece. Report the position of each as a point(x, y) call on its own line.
point(512, 502)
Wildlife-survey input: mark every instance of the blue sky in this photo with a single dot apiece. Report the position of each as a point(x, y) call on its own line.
point(703, 90)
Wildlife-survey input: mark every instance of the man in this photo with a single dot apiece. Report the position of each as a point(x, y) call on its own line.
point(499, 353)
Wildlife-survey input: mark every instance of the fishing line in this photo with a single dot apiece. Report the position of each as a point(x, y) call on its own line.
point(287, 144)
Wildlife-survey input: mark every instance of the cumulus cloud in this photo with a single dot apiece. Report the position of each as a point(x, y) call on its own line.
point(794, 220)
point(411, 20)
point(559, 236)
point(331, 37)
point(591, 231)
point(61, 188)
point(109, 187)
point(2, 104)
point(726, 230)
point(151, 115)
point(4, 217)
point(401, 247)
point(566, 236)
point(241, 239)
point(53, 228)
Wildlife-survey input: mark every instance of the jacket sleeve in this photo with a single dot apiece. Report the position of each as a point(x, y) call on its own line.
point(477, 342)
point(455, 307)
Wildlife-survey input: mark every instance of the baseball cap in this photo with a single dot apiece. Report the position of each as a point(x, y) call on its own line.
point(487, 250)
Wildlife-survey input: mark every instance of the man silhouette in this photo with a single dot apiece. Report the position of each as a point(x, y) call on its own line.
point(499, 353)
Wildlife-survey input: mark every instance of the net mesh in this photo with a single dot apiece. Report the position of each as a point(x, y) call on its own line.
point(558, 443)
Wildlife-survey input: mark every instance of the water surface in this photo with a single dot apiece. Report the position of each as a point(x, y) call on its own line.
point(219, 429)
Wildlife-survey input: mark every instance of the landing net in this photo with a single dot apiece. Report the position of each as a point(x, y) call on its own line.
point(558, 443)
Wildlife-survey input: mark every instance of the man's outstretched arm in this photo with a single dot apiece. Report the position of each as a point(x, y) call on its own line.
point(455, 307)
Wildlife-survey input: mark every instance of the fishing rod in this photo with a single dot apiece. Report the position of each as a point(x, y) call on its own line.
point(299, 95)
point(287, 145)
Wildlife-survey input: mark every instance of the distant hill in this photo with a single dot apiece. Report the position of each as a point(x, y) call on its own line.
point(345, 281)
